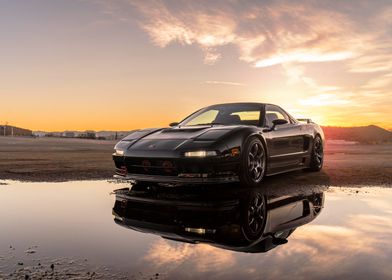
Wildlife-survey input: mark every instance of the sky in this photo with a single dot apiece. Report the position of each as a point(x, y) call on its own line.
point(127, 64)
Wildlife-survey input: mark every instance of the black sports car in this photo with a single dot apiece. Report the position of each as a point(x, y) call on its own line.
point(245, 220)
point(222, 143)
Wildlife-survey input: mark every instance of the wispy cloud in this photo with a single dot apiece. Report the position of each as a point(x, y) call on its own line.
point(264, 34)
point(354, 38)
point(324, 100)
point(225, 83)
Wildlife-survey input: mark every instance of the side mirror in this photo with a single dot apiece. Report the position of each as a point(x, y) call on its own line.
point(278, 122)
point(173, 124)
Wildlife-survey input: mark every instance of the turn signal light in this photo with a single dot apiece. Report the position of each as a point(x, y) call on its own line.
point(234, 152)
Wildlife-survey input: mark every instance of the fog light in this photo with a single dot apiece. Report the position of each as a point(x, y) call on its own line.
point(196, 230)
point(200, 154)
point(200, 231)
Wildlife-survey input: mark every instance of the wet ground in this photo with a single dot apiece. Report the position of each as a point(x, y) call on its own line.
point(70, 230)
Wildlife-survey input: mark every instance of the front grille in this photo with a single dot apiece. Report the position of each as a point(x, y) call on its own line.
point(174, 167)
point(152, 166)
point(195, 216)
point(146, 212)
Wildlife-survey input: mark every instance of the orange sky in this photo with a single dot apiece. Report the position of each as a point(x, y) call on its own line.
point(120, 65)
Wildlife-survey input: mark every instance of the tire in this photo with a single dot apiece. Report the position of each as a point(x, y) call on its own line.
point(317, 156)
point(253, 163)
point(253, 216)
point(316, 201)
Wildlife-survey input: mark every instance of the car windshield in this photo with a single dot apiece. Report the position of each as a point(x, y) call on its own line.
point(226, 114)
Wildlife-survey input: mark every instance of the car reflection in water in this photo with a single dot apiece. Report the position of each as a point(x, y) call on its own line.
point(244, 220)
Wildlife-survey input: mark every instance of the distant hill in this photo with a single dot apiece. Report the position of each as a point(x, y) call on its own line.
point(9, 130)
point(371, 134)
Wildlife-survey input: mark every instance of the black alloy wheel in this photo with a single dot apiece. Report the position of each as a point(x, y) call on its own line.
point(317, 157)
point(254, 211)
point(253, 163)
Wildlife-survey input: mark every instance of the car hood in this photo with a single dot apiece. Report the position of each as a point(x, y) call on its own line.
point(174, 138)
point(195, 132)
point(202, 133)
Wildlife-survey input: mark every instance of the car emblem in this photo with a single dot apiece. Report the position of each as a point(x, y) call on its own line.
point(152, 146)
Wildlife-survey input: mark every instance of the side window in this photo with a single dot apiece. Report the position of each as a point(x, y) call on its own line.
point(248, 117)
point(273, 113)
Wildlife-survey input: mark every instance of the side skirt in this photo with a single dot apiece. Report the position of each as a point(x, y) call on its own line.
point(287, 170)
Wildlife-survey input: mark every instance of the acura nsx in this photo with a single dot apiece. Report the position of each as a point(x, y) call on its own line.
point(247, 220)
point(222, 143)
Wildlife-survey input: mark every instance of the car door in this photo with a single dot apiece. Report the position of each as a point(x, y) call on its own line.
point(285, 142)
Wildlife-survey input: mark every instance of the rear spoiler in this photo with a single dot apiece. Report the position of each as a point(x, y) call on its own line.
point(305, 120)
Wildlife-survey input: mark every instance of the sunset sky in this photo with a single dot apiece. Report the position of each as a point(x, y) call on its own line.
point(124, 64)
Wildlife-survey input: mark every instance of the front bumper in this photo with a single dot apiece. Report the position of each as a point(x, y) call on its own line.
point(177, 179)
point(171, 215)
point(178, 170)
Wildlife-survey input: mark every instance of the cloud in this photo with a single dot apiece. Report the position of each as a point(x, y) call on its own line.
point(264, 34)
point(302, 57)
point(163, 253)
point(187, 27)
point(381, 81)
point(225, 83)
point(352, 41)
point(202, 257)
point(324, 100)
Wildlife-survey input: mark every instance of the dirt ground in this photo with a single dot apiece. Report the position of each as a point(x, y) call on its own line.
point(57, 159)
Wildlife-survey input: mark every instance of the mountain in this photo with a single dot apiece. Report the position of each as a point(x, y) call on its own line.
point(364, 134)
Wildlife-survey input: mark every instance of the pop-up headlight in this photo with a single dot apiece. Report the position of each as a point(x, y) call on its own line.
point(119, 152)
point(121, 147)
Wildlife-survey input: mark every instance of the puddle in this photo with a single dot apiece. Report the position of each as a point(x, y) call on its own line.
point(87, 233)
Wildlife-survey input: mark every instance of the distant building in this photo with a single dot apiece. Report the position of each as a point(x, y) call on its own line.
point(54, 134)
point(39, 133)
point(9, 130)
point(88, 134)
point(112, 135)
point(69, 134)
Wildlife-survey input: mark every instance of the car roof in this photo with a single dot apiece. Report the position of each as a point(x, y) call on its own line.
point(240, 103)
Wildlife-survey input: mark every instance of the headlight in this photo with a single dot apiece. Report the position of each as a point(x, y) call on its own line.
point(200, 154)
point(119, 152)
